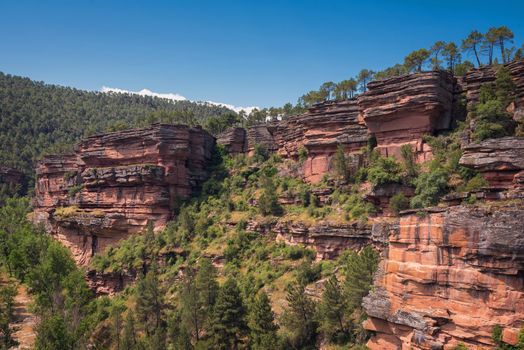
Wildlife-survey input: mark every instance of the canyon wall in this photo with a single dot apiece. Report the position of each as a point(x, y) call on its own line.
point(115, 184)
point(395, 111)
point(449, 277)
point(400, 110)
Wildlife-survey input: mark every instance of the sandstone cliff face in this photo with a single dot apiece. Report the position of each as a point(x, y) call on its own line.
point(402, 109)
point(450, 277)
point(234, 140)
point(327, 239)
point(500, 161)
point(114, 184)
point(320, 131)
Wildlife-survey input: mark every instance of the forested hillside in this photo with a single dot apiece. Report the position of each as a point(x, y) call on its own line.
point(37, 118)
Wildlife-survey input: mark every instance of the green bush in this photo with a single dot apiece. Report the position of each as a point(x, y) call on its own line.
point(307, 272)
point(430, 186)
point(398, 202)
point(476, 183)
point(302, 154)
point(491, 119)
point(384, 170)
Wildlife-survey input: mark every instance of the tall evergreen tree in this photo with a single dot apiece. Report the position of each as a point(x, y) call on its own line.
point(129, 332)
point(333, 321)
point(340, 163)
point(262, 327)
point(360, 269)
point(436, 49)
point(473, 44)
point(228, 327)
point(150, 301)
point(299, 318)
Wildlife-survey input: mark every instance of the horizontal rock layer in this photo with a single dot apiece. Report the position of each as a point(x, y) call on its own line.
point(501, 161)
point(400, 110)
point(115, 184)
point(450, 277)
point(327, 239)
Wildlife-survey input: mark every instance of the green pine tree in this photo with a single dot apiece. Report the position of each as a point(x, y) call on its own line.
point(129, 332)
point(262, 327)
point(228, 326)
point(334, 323)
point(299, 317)
point(360, 270)
point(150, 301)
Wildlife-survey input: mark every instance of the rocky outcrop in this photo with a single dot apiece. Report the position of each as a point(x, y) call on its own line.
point(500, 161)
point(477, 77)
point(328, 239)
point(234, 140)
point(400, 110)
point(320, 131)
point(448, 277)
point(115, 184)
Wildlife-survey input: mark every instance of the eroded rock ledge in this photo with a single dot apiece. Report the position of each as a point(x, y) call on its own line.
point(114, 184)
point(450, 276)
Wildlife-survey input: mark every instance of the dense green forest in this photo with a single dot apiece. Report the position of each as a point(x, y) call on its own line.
point(37, 118)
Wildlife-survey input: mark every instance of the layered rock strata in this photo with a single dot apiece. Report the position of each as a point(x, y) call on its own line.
point(500, 161)
point(450, 277)
point(320, 131)
point(115, 184)
point(400, 110)
point(327, 239)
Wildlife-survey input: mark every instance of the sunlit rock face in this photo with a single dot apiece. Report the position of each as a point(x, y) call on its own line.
point(400, 110)
point(500, 161)
point(317, 133)
point(115, 184)
point(449, 277)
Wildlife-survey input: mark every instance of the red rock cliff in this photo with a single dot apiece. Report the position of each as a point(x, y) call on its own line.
point(400, 110)
point(500, 161)
point(114, 184)
point(449, 277)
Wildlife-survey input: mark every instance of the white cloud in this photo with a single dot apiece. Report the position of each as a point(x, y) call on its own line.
point(175, 97)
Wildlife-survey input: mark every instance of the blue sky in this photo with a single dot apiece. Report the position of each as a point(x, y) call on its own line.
point(262, 53)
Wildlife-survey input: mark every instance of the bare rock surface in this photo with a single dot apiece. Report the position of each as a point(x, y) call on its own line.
point(115, 184)
point(450, 277)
